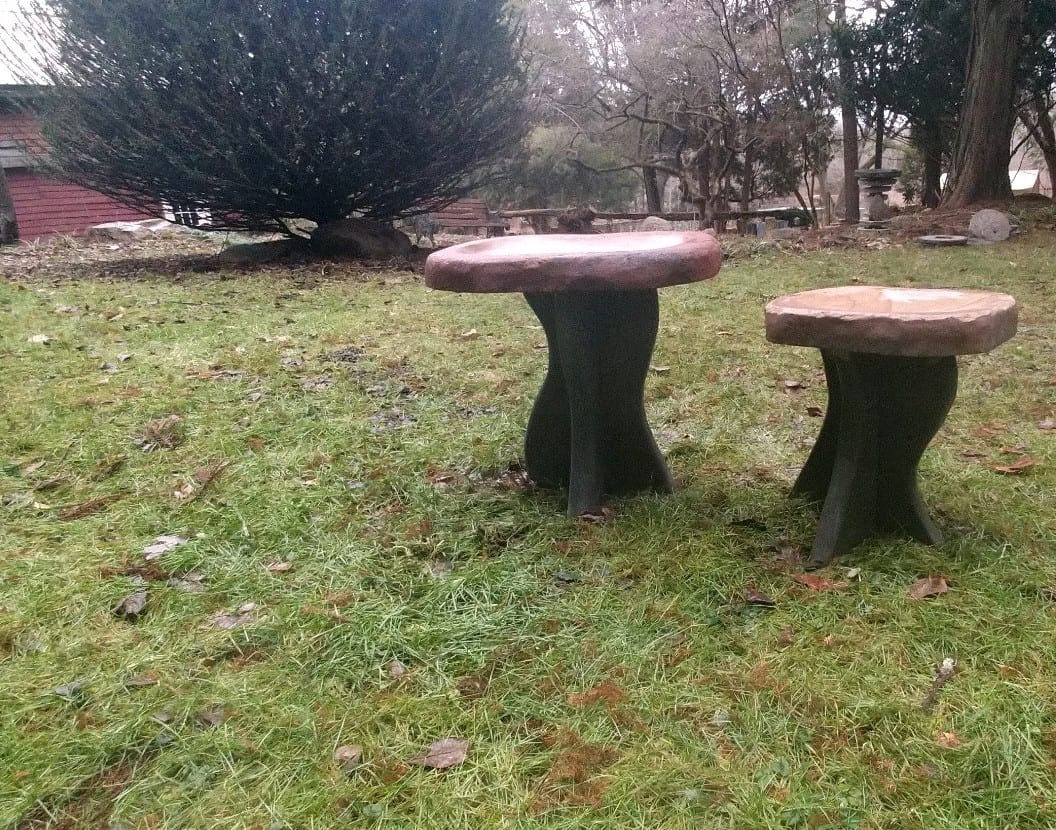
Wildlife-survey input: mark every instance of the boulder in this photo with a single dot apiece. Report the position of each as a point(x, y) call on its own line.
point(654, 223)
point(360, 239)
point(256, 253)
point(990, 226)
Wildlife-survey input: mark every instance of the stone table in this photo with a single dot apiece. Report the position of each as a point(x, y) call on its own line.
point(596, 297)
point(890, 365)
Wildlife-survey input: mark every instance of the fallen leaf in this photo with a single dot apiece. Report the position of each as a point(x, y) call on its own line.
point(132, 606)
point(931, 586)
point(660, 370)
point(192, 583)
point(815, 411)
point(753, 596)
point(472, 334)
point(348, 757)
point(319, 384)
point(443, 754)
point(141, 681)
point(792, 385)
point(229, 622)
point(1015, 468)
point(1047, 424)
point(279, 567)
point(39, 339)
point(205, 474)
point(213, 716)
point(108, 466)
point(161, 545)
point(820, 583)
point(161, 433)
point(185, 492)
point(786, 637)
point(72, 691)
point(949, 740)
point(33, 466)
point(87, 508)
point(397, 669)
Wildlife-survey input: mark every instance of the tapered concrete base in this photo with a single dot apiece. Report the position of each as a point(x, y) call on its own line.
point(883, 412)
point(588, 431)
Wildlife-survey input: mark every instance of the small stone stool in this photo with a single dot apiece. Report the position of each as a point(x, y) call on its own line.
point(596, 297)
point(891, 370)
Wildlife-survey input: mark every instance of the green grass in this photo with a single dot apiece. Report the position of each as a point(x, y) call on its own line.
point(384, 488)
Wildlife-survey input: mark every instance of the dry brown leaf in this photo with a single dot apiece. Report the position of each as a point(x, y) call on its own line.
point(205, 474)
point(33, 466)
point(161, 545)
point(815, 411)
point(87, 508)
point(753, 596)
point(1015, 468)
point(443, 754)
point(931, 586)
point(161, 433)
point(1047, 424)
point(820, 583)
point(949, 740)
point(141, 681)
point(132, 606)
point(279, 567)
point(348, 757)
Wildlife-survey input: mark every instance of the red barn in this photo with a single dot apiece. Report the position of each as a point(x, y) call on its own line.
point(45, 206)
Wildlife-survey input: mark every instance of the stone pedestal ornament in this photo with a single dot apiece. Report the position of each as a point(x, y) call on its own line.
point(890, 365)
point(596, 297)
point(877, 183)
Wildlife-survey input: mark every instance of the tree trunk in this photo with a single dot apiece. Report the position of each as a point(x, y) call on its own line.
point(653, 196)
point(980, 162)
point(878, 149)
point(928, 139)
point(8, 221)
point(849, 117)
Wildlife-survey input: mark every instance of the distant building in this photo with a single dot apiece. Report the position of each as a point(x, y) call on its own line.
point(44, 205)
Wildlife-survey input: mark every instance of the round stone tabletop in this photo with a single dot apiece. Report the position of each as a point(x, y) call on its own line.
point(909, 322)
point(575, 262)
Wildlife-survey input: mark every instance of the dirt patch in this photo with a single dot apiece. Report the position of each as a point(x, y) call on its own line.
point(89, 806)
point(174, 257)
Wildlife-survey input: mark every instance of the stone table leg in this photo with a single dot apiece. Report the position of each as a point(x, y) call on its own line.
point(588, 431)
point(883, 412)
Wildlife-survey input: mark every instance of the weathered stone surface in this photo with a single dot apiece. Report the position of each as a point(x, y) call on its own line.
point(256, 253)
point(990, 226)
point(569, 262)
point(360, 239)
point(909, 322)
point(654, 223)
point(940, 240)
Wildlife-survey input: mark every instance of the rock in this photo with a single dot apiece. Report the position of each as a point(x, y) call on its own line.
point(256, 253)
point(990, 226)
point(654, 223)
point(360, 239)
point(125, 231)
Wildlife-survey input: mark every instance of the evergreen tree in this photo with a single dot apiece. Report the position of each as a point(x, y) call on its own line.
point(261, 111)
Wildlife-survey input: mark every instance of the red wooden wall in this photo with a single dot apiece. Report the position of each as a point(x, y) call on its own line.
point(45, 206)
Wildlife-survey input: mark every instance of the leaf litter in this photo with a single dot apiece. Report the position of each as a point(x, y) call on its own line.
point(443, 754)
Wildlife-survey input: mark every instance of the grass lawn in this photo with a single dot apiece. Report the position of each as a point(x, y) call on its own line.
point(363, 568)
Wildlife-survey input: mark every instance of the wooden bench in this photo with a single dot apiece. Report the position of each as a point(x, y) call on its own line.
point(471, 217)
point(891, 370)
